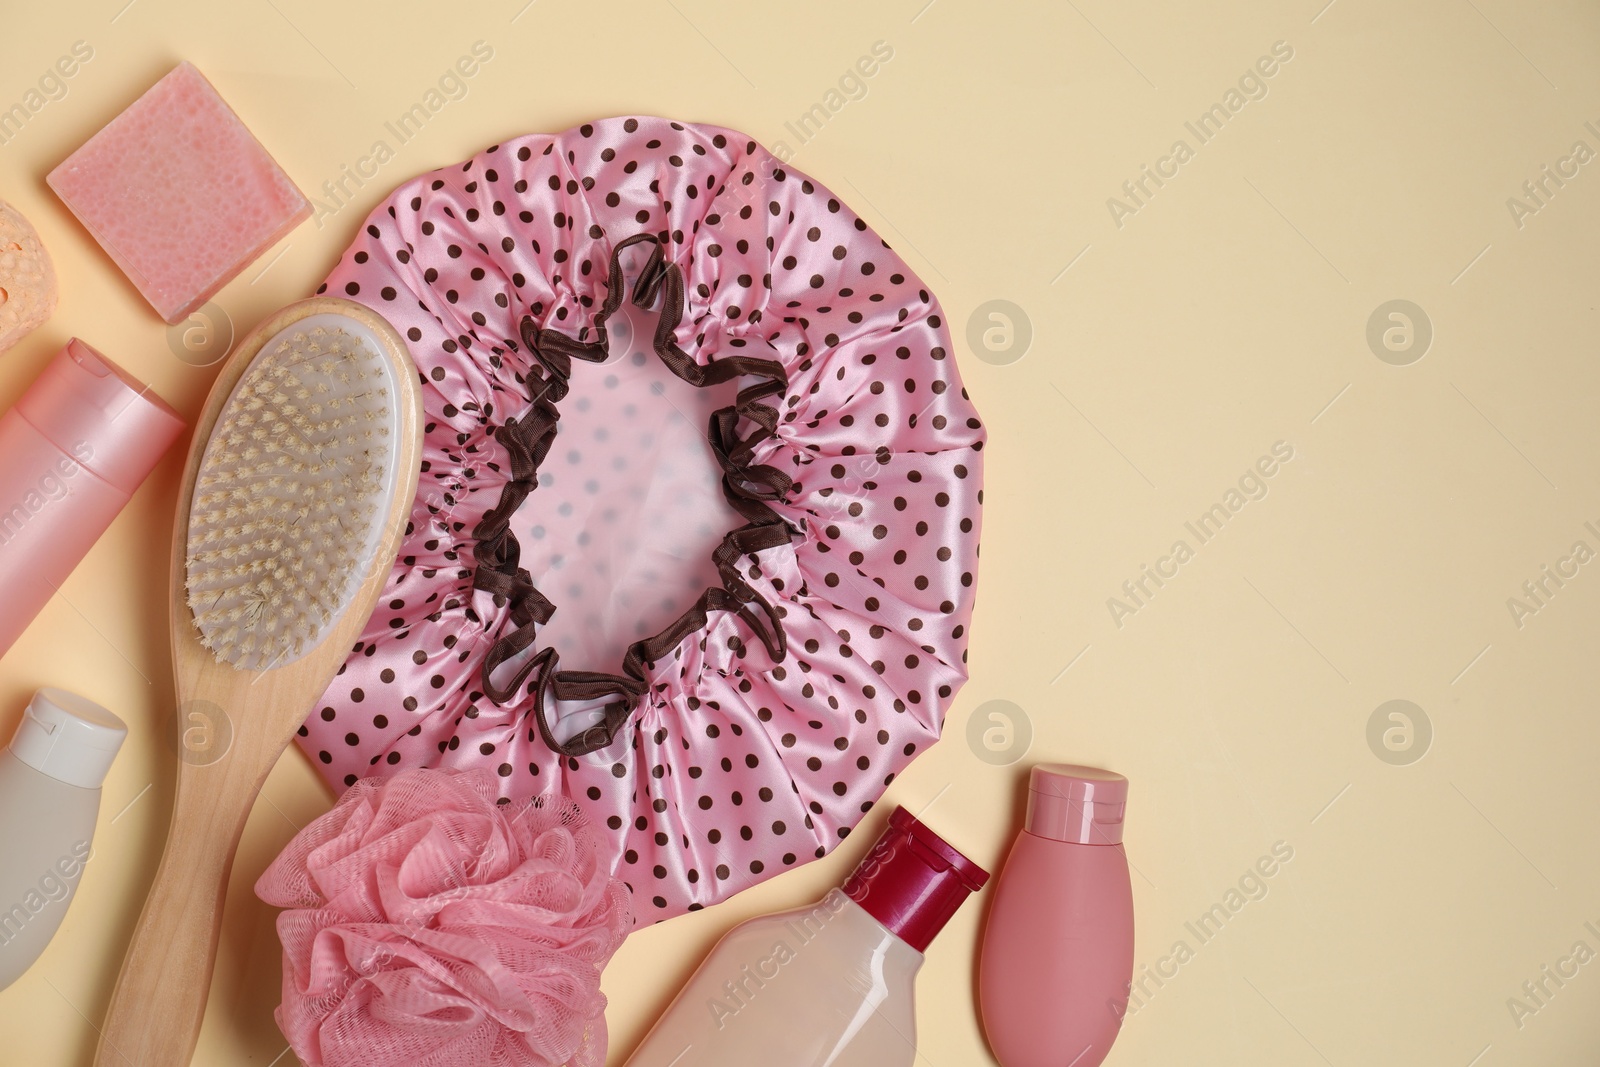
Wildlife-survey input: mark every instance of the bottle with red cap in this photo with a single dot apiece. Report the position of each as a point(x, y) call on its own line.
point(829, 984)
point(1057, 951)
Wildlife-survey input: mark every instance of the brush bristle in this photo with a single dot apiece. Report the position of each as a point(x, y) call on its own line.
point(287, 496)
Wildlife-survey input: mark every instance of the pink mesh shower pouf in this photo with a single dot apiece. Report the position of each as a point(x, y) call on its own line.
point(685, 395)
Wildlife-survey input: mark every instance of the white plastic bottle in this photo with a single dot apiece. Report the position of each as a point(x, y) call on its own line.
point(50, 779)
point(830, 985)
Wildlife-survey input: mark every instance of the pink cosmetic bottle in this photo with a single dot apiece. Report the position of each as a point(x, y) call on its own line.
point(73, 449)
point(1057, 952)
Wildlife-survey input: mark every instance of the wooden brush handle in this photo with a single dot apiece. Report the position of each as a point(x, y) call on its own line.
point(160, 1000)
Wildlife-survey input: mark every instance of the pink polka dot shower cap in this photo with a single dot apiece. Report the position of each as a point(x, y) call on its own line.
point(697, 527)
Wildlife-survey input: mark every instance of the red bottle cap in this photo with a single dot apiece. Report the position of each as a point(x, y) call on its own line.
point(913, 881)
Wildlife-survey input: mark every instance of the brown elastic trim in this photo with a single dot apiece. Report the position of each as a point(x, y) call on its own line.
point(651, 275)
point(748, 487)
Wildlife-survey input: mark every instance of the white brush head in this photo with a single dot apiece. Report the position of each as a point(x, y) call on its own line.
point(291, 492)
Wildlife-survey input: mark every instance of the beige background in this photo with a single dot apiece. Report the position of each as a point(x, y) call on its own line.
point(1228, 313)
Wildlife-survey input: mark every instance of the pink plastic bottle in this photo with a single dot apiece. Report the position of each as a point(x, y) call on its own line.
point(73, 449)
point(1057, 952)
point(829, 985)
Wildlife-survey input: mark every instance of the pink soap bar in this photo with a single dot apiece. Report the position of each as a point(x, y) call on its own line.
point(179, 193)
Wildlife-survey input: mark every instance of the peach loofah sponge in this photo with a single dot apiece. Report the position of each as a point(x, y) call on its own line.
point(27, 280)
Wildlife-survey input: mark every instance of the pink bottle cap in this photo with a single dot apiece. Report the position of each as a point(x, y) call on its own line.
point(913, 881)
point(100, 415)
point(1083, 805)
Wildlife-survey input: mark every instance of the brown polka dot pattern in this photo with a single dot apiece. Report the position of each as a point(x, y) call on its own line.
point(734, 763)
